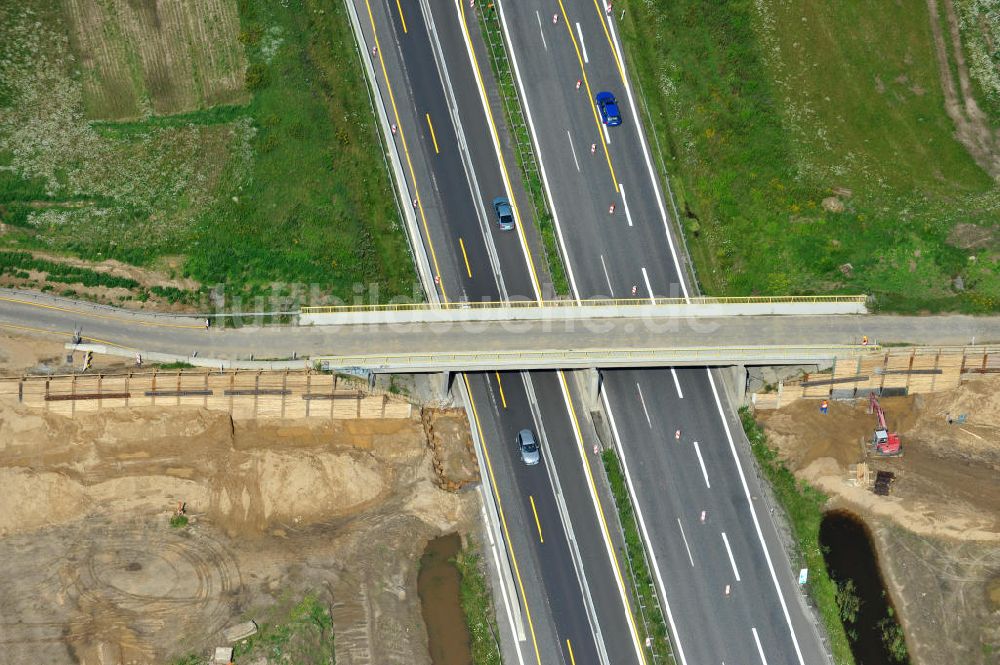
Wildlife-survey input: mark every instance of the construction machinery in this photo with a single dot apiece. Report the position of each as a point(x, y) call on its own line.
point(884, 442)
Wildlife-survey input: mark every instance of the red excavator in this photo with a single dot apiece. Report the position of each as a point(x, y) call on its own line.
point(884, 442)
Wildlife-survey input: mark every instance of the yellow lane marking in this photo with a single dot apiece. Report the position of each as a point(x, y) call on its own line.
point(503, 520)
point(503, 398)
point(95, 315)
point(569, 646)
point(437, 151)
point(600, 509)
point(406, 151)
point(468, 269)
point(496, 144)
point(58, 333)
point(402, 19)
point(590, 95)
point(604, 24)
point(538, 522)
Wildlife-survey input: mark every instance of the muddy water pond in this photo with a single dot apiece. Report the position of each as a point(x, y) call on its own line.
point(866, 609)
point(438, 585)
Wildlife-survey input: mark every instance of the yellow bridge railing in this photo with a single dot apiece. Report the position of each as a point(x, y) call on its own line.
point(596, 302)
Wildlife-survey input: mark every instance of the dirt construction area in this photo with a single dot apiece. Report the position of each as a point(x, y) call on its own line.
point(938, 531)
point(94, 573)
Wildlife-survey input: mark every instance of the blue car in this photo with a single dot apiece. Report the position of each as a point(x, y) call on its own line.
point(608, 106)
point(505, 215)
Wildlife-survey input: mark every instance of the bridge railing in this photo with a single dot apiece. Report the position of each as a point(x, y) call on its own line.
point(594, 302)
point(524, 359)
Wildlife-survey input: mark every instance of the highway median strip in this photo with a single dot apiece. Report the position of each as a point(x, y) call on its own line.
point(651, 626)
point(489, 22)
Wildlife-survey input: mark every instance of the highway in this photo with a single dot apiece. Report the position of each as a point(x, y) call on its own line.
point(614, 226)
point(572, 605)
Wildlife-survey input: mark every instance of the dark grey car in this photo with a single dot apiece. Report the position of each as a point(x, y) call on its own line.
point(529, 447)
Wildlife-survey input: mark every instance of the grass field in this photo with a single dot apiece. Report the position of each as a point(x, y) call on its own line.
point(810, 151)
point(156, 57)
point(289, 188)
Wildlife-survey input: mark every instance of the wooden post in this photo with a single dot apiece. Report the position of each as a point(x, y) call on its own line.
point(937, 361)
point(284, 395)
point(885, 366)
point(256, 388)
point(309, 377)
point(909, 371)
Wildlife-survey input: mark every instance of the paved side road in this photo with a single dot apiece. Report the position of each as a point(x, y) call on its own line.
point(181, 335)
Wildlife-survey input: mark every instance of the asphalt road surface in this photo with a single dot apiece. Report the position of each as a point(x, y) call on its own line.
point(572, 604)
point(613, 221)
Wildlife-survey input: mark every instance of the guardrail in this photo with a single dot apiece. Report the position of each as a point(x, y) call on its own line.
point(595, 302)
point(585, 358)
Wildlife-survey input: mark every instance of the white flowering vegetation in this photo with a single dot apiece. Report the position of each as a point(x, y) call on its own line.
point(129, 194)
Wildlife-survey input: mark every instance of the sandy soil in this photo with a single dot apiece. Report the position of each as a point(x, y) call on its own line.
point(938, 533)
point(93, 573)
point(21, 354)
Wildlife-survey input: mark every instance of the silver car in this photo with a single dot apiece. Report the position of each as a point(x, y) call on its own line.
point(529, 447)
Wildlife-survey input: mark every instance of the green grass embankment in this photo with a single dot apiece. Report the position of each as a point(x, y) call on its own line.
point(810, 151)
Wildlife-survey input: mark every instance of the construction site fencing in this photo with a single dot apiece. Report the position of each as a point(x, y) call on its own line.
point(886, 371)
point(244, 395)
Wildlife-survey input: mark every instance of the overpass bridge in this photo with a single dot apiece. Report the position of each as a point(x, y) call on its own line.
point(420, 338)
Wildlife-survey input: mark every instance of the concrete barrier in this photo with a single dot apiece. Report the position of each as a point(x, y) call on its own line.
point(579, 310)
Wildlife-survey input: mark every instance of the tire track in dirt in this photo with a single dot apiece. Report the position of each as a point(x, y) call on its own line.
point(972, 127)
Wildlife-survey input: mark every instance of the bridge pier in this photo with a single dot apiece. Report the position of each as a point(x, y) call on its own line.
point(590, 381)
point(445, 384)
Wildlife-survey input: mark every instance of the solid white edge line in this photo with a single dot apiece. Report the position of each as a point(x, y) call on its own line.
point(649, 163)
point(418, 244)
point(494, 139)
point(621, 189)
point(643, 400)
point(642, 526)
point(583, 46)
point(534, 137)
point(701, 461)
point(611, 290)
point(573, 149)
point(540, 31)
point(503, 587)
point(649, 287)
point(607, 137)
point(686, 546)
point(677, 383)
point(732, 560)
point(753, 514)
point(760, 649)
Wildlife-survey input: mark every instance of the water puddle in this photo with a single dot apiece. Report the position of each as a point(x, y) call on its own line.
point(438, 586)
point(869, 618)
